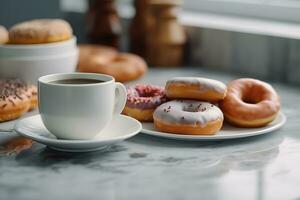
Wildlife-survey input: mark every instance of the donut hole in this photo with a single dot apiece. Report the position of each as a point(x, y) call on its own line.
point(250, 101)
point(146, 94)
point(252, 96)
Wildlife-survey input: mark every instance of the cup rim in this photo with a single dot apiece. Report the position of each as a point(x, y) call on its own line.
point(47, 79)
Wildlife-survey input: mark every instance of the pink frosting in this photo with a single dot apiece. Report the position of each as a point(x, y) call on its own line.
point(145, 96)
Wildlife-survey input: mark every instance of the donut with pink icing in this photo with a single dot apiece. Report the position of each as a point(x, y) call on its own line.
point(142, 100)
point(195, 88)
point(188, 117)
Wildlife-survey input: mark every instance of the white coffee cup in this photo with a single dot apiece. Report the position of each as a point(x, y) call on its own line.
point(79, 111)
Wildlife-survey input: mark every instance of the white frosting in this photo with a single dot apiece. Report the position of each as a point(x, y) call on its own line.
point(204, 83)
point(187, 112)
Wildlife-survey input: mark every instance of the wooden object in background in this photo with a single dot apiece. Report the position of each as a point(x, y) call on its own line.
point(140, 27)
point(103, 23)
point(167, 37)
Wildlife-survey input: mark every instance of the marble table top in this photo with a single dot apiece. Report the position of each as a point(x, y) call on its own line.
point(145, 167)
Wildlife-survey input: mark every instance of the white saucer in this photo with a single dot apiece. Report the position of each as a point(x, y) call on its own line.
point(227, 131)
point(121, 128)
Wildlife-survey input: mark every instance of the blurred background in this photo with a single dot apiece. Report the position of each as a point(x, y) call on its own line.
point(256, 38)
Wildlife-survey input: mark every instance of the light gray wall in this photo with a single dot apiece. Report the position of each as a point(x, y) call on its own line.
point(258, 56)
point(13, 11)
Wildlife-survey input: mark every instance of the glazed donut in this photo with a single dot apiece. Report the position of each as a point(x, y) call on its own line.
point(189, 117)
point(105, 60)
point(195, 88)
point(40, 31)
point(250, 103)
point(125, 67)
point(13, 102)
point(142, 100)
point(91, 56)
point(3, 35)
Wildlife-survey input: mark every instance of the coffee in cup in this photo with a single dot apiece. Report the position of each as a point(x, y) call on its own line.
point(79, 105)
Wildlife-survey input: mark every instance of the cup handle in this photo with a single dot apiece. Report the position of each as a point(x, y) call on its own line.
point(120, 99)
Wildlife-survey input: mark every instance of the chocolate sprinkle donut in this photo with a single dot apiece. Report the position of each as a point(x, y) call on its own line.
point(15, 98)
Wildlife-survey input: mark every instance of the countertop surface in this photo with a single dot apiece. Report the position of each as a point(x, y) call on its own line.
point(145, 167)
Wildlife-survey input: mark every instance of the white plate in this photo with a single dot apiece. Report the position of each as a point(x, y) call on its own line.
point(121, 128)
point(227, 131)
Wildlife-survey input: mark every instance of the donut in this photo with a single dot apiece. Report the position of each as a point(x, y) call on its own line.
point(195, 88)
point(126, 67)
point(40, 31)
point(91, 56)
point(13, 101)
point(3, 35)
point(250, 103)
point(89, 52)
point(105, 60)
point(142, 100)
point(29, 90)
point(188, 117)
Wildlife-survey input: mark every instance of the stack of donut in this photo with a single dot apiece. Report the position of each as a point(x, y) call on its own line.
point(197, 106)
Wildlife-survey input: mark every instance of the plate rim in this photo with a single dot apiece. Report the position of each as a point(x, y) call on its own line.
point(50, 141)
point(174, 136)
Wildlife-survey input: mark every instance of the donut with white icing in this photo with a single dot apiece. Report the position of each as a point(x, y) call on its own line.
point(189, 117)
point(195, 88)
